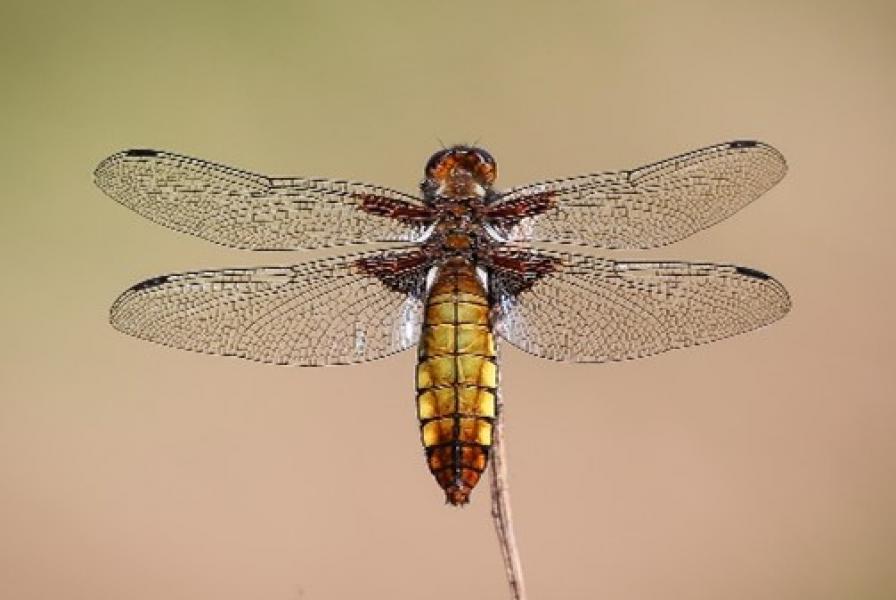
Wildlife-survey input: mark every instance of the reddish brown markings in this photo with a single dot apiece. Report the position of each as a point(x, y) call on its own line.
point(390, 264)
point(395, 209)
point(440, 457)
point(519, 269)
point(398, 272)
point(523, 263)
point(458, 241)
point(520, 208)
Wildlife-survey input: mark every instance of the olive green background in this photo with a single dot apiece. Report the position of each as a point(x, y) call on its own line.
point(758, 467)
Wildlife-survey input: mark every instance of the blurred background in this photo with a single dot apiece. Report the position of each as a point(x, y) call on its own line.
point(762, 466)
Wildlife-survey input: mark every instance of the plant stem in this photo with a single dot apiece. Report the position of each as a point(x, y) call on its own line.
point(501, 510)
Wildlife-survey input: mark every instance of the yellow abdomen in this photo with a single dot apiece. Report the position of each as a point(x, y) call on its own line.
point(457, 378)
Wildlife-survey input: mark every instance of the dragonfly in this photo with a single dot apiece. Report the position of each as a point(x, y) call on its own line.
point(450, 271)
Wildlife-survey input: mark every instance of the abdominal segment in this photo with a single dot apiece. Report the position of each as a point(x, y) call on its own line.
point(457, 380)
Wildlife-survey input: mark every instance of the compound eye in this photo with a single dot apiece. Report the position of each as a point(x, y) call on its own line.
point(434, 161)
point(486, 170)
point(485, 156)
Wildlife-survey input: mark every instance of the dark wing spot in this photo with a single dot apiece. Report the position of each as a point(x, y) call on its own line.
point(141, 152)
point(752, 273)
point(743, 144)
point(149, 283)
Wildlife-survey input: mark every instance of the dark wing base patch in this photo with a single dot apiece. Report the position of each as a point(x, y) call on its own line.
point(595, 310)
point(322, 312)
point(239, 209)
point(651, 206)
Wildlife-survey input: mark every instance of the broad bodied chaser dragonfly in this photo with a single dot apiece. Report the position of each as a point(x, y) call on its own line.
point(466, 266)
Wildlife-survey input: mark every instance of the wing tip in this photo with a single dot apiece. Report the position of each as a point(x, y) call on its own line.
point(115, 311)
point(99, 173)
point(785, 303)
point(769, 149)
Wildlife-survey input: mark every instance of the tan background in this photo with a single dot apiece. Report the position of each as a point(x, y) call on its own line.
point(759, 467)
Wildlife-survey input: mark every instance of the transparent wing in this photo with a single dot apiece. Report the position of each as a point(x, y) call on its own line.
point(589, 309)
point(652, 206)
point(244, 210)
point(331, 311)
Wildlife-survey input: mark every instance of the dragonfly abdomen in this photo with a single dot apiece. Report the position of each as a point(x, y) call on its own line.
point(457, 378)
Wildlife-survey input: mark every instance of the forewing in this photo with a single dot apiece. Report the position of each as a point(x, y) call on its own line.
point(590, 309)
point(324, 312)
point(244, 210)
point(651, 206)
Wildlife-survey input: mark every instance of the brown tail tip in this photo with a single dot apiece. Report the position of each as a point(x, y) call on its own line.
point(458, 495)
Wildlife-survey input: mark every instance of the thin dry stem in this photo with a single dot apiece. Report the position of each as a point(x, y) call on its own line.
point(501, 510)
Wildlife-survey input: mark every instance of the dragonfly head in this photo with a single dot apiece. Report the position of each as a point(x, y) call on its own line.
point(460, 172)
